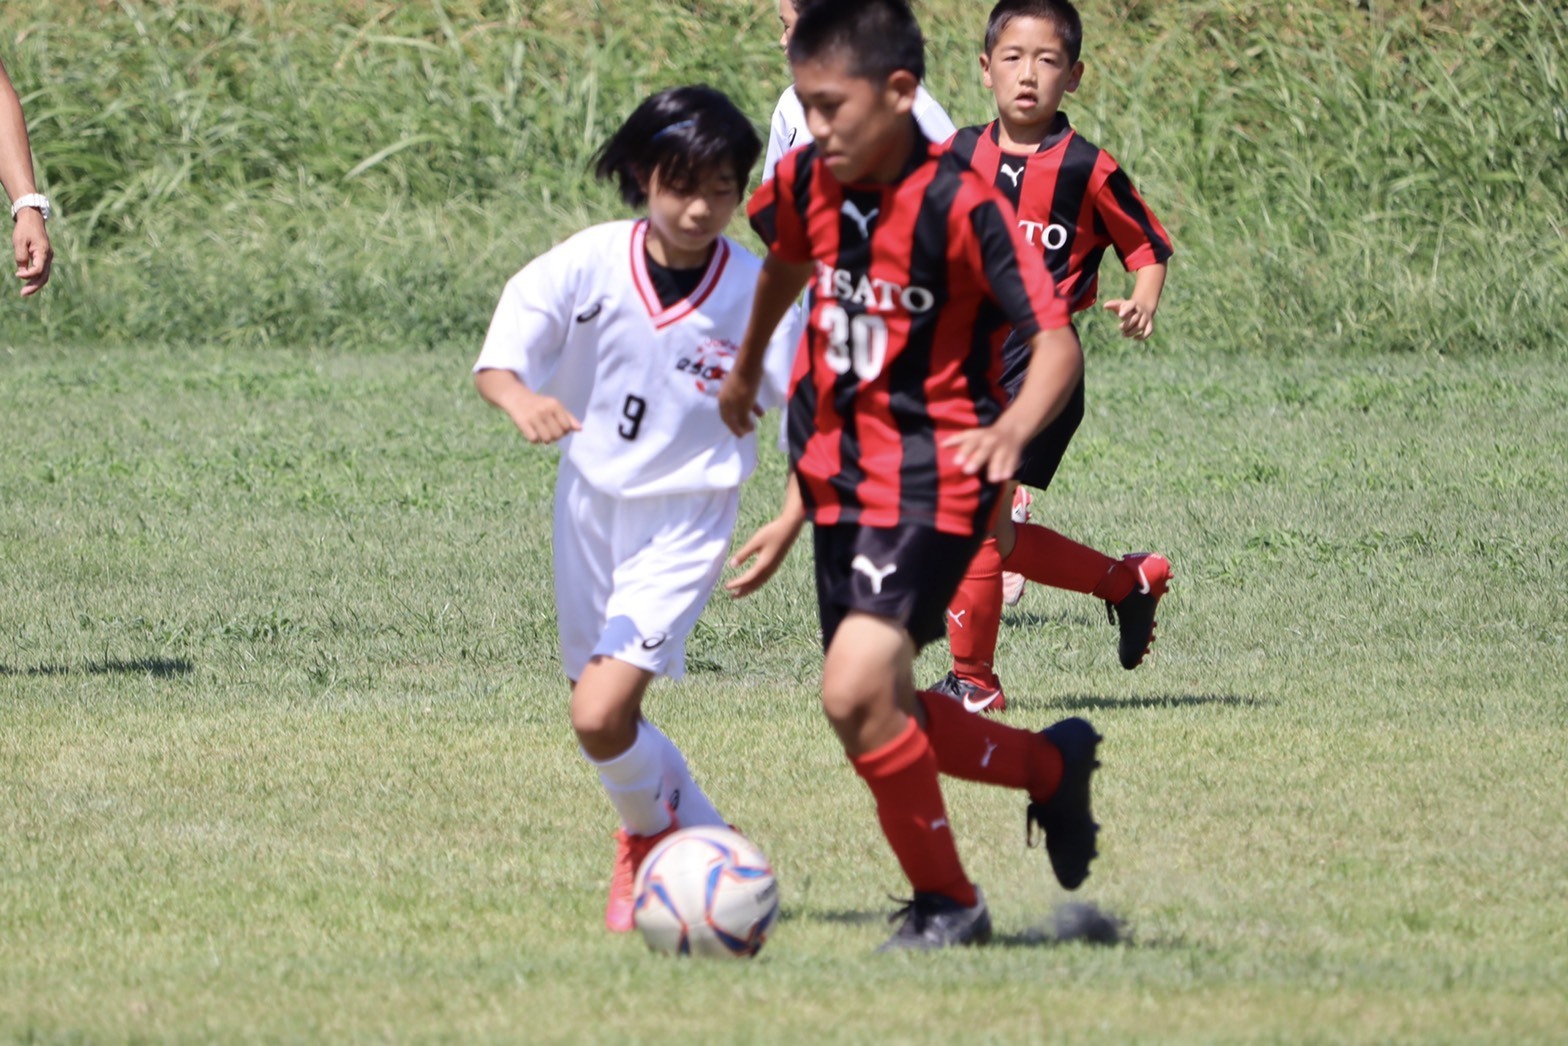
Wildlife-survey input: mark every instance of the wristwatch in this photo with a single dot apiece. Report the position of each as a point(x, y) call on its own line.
point(32, 199)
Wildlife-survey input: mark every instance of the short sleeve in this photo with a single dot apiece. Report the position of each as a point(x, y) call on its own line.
point(781, 135)
point(777, 214)
point(934, 122)
point(1015, 275)
point(779, 362)
point(529, 328)
point(1139, 238)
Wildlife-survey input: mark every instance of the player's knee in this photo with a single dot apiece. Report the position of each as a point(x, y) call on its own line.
point(603, 728)
point(846, 699)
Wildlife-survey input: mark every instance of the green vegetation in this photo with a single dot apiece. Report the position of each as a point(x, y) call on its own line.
point(365, 176)
point(283, 752)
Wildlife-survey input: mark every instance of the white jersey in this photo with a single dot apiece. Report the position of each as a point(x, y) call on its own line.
point(788, 128)
point(584, 324)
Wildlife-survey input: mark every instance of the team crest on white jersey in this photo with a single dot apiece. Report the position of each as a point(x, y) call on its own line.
point(708, 364)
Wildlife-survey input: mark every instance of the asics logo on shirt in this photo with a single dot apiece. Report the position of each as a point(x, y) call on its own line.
point(852, 211)
point(590, 312)
point(655, 641)
point(1013, 173)
point(872, 571)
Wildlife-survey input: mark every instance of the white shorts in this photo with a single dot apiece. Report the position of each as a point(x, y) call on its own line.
point(633, 574)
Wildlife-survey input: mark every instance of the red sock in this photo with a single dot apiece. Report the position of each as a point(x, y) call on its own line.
point(978, 748)
point(902, 776)
point(975, 616)
point(1048, 558)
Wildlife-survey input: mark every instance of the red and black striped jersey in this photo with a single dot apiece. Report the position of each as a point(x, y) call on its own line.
point(918, 283)
point(1073, 201)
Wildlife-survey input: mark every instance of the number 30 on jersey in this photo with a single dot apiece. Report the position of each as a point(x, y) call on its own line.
point(855, 343)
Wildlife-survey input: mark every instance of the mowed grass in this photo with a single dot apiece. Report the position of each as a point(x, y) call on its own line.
point(284, 755)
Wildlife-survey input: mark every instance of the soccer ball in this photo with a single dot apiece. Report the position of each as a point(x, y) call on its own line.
point(706, 891)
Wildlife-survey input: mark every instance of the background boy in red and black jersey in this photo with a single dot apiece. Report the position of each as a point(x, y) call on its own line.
point(900, 435)
point(1073, 203)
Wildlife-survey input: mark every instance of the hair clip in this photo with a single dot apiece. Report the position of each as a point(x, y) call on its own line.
point(680, 126)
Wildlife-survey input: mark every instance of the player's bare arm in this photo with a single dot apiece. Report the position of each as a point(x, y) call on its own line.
point(29, 238)
point(1136, 313)
point(778, 285)
point(541, 419)
point(769, 544)
point(1055, 365)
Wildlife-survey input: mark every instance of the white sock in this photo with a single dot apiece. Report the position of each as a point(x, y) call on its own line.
point(634, 780)
point(691, 805)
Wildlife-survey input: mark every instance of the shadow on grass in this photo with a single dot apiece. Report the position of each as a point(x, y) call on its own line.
point(1094, 702)
point(1093, 614)
point(1073, 922)
point(157, 667)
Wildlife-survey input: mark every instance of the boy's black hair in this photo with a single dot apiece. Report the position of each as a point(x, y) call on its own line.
point(680, 134)
point(880, 37)
point(1060, 13)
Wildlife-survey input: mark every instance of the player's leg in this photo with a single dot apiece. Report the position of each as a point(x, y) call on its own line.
point(869, 587)
point(1053, 767)
point(1131, 586)
point(631, 580)
point(678, 547)
point(606, 715)
point(974, 619)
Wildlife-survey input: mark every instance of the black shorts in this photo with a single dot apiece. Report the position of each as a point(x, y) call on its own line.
point(908, 574)
point(1043, 453)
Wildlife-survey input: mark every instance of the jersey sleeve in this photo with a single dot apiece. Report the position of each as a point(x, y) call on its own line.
point(934, 122)
point(779, 362)
point(1014, 274)
point(779, 140)
point(777, 216)
point(529, 328)
point(1139, 238)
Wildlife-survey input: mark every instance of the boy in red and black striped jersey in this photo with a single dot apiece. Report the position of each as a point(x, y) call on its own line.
point(900, 435)
point(1073, 202)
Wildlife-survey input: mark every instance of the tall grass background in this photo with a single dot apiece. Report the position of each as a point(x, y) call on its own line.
point(358, 176)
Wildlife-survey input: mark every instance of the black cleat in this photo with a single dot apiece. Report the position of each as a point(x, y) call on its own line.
point(934, 920)
point(1135, 613)
point(1065, 818)
point(973, 696)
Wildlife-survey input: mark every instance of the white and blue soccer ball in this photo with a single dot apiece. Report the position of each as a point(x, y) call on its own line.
point(706, 891)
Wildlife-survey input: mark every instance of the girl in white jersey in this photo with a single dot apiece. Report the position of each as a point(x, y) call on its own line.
point(787, 129)
point(614, 344)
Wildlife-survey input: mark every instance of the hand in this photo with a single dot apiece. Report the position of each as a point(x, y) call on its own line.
point(769, 545)
point(34, 255)
point(544, 419)
point(737, 398)
point(997, 449)
point(1137, 320)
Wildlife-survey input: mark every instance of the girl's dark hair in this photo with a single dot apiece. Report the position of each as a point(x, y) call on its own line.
point(679, 134)
point(879, 37)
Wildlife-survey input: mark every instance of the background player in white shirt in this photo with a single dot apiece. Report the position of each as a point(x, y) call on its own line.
point(787, 129)
point(614, 344)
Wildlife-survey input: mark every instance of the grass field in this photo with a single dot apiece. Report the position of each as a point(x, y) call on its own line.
point(283, 752)
point(283, 747)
